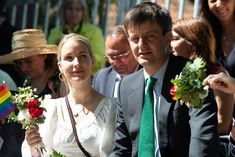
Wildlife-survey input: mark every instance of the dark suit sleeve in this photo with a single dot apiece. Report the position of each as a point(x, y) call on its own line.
point(122, 141)
point(203, 124)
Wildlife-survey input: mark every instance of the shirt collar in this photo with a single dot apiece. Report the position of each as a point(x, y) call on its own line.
point(159, 75)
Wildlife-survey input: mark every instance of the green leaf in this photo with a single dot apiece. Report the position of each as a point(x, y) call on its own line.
point(56, 154)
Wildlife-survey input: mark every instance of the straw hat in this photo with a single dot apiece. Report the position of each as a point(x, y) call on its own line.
point(26, 43)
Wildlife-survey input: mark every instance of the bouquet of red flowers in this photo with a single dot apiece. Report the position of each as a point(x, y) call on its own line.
point(29, 106)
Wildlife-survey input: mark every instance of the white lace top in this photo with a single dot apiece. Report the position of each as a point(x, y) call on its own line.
point(95, 134)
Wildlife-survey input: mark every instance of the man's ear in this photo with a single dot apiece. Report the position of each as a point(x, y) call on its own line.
point(169, 36)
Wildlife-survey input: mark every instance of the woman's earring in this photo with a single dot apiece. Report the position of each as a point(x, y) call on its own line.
point(61, 76)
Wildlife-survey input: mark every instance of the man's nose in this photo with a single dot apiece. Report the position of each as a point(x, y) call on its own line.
point(141, 43)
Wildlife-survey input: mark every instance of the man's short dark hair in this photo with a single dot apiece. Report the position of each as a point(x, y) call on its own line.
point(149, 11)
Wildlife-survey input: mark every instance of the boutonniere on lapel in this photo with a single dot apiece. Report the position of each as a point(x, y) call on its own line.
point(188, 85)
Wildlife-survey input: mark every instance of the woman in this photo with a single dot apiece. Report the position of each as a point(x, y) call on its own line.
point(225, 83)
point(220, 14)
point(222, 82)
point(36, 60)
point(194, 38)
point(75, 20)
point(93, 113)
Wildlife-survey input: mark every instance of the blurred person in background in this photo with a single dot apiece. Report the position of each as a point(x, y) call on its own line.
point(6, 31)
point(75, 20)
point(121, 60)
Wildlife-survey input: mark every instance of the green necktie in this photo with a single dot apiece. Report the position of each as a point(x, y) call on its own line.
point(146, 145)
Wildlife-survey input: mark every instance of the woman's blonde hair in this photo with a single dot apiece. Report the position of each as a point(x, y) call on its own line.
point(77, 38)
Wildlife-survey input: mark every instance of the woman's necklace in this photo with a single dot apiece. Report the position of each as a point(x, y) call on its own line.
point(228, 43)
point(85, 111)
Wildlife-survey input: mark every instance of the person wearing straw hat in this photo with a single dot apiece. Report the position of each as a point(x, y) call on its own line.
point(35, 59)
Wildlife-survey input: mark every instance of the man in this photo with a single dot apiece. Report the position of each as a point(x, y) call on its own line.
point(177, 130)
point(121, 59)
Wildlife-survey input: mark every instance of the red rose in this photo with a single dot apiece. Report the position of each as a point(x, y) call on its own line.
point(32, 103)
point(36, 112)
point(173, 91)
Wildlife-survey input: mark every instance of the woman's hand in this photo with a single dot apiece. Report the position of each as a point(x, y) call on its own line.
point(33, 139)
point(222, 82)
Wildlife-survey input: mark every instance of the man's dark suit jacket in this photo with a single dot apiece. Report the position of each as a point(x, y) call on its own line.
point(182, 131)
point(104, 81)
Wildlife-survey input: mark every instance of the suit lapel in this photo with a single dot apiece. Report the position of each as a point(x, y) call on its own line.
point(174, 67)
point(135, 101)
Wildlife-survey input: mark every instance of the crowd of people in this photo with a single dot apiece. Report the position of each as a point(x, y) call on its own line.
point(122, 106)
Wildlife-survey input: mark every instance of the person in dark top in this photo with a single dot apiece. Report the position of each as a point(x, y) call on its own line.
point(6, 31)
point(222, 23)
point(11, 134)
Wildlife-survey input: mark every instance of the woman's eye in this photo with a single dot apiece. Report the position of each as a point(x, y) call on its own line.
point(213, 1)
point(69, 58)
point(84, 56)
point(175, 38)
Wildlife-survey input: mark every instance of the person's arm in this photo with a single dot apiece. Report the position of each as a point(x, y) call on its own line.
point(44, 136)
point(33, 140)
point(222, 82)
point(204, 135)
point(106, 143)
point(122, 140)
point(225, 105)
